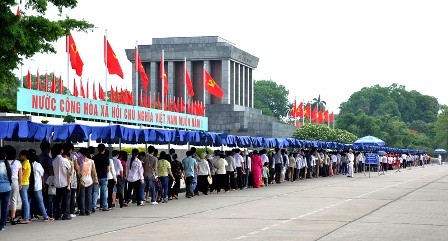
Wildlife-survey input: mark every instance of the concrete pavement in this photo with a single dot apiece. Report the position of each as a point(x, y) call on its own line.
point(411, 205)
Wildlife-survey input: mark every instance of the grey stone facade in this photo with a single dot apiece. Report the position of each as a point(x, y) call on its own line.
point(229, 66)
point(245, 121)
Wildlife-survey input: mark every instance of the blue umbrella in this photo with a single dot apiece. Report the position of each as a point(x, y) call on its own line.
point(369, 141)
point(440, 150)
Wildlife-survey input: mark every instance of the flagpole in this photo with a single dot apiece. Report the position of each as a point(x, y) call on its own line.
point(136, 73)
point(21, 75)
point(185, 84)
point(311, 112)
point(105, 59)
point(163, 79)
point(68, 65)
point(303, 114)
point(203, 83)
point(295, 111)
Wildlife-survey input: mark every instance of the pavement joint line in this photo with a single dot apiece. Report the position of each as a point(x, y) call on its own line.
point(392, 201)
point(350, 199)
point(254, 232)
point(199, 212)
point(241, 237)
point(265, 228)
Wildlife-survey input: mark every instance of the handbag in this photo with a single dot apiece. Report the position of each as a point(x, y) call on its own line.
point(209, 179)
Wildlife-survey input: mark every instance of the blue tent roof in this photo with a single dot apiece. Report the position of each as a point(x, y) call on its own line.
point(31, 131)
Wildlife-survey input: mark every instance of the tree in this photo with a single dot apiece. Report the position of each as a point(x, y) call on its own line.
point(8, 97)
point(271, 98)
point(319, 103)
point(441, 130)
point(399, 117)
point(324, 133)
point(24, 35)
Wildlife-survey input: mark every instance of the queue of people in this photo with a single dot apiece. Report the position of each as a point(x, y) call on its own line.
point(61, 183)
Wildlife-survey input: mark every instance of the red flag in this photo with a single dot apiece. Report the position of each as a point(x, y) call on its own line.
point(75, 89)
point(18, 13)
point(299, 110)
point(148, 101)
point(188, 82)
point(53, 84)
point(113, 66)
point(101, 92)
point(75, 59)
point(320, 116)
point(293, 112)
point(163, 76)
point(61, 86)
point(211, 86)
point(94, 91)
point(28, 80)
point(314, 115)
point(46, 82)
point(331, 117)
point(87, 90)
point(141, 70)
point(112, 94)
point(38, 80)
point(117, 95)
point(82, 89)
point(307, 111)
point(325, 116)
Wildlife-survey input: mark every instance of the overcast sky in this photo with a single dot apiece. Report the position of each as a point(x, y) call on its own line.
point(332, 48)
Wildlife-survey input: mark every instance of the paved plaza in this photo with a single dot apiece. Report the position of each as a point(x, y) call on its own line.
point(411, 205)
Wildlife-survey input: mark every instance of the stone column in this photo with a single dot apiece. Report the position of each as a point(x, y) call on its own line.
point(170, 73)
point(243, 85)
point(206, 99)
point(251, 89)
point(232, 82)
point(238, 84)
point(153, 78)
point(225, 78)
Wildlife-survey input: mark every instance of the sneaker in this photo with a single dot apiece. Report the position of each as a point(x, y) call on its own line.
point(141, 204)
point(154, 203)
point(73, 215)
point(3, 229)
point(48, 219)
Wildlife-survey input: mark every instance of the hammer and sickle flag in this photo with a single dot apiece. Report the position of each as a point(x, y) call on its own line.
point(75, 59)
point(112, 64)
point(211, 86)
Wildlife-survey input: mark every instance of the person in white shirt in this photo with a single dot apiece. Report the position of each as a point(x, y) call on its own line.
point(203, 173)
point(239, 165)
point(38, 171)
point(383, 162)
point(16, 176)
point(118, 167)
point(134, 170)
point(221, 173)
point(62, 175)
point(230, 168)
point(439, 158)
point(351, 162)
point(111, 182)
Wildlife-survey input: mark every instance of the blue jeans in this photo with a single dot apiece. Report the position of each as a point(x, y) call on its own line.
point(149, 185)
point(164, 181)
point(195, 182)
point(4, 200)
point(40, 202)
point(25, 202)
point(95, 192)
point(103, 187)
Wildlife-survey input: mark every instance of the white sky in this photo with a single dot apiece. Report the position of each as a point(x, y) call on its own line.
point(332, 48)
